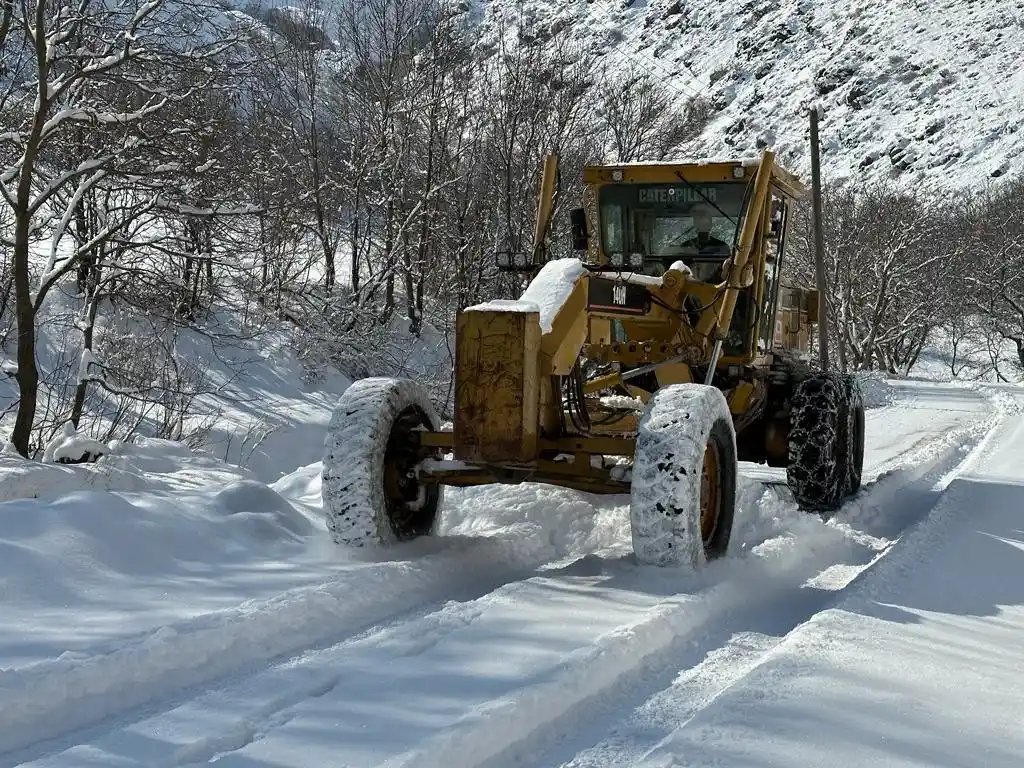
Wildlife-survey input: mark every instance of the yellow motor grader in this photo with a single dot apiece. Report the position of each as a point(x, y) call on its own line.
point(669, 349)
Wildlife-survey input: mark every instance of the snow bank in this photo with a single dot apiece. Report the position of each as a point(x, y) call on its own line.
point(143, 463)
point(265, 514)
point(271, 419)
point(572, 523)
point(303, 488)
point(151, 533)
point(876, 390)
point(262, 411)
point(24, 479)
point(71, 447)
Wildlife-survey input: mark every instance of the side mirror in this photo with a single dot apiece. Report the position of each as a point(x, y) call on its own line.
point(578, 224)
point(813, 305)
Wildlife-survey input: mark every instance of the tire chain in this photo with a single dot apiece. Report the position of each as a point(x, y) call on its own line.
point(813, 472)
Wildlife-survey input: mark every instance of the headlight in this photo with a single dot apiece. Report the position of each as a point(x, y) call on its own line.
point(504, 259)
point(636, 261)
point(618, 259)
point(520, 259)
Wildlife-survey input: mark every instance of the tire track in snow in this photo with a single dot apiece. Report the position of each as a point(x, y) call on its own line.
point(686, 679)
point(45, 701)
point(691, 690)
point(228, 719)
point(266, 702)
point(518, 728)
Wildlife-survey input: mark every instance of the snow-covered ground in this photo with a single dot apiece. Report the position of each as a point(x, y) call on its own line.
point(166, 609)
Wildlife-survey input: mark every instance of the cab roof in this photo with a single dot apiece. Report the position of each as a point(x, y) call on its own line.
point(707, 171)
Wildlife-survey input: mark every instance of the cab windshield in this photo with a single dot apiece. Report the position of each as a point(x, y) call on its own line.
point(694, 223)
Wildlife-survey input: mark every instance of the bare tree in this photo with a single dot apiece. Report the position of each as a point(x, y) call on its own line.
point(644, 120)
point(993, 247)
point(885, 253)
point(112, 67)
point(300, 56)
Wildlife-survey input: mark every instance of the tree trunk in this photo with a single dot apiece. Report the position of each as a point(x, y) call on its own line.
point(78, 405)
point(28, 374)
point(25, 312)
point(186, 280)
point(410, 288)
point(389, 297)
point(354, 244)
point(5, 297)
point(85, 260)
point(420, 280)
point(207, 236)
point(264, 261)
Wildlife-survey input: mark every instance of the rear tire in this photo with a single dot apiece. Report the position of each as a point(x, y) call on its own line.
point(853, 445)
point(816, 472)
point(370, 490)
point(683, 494)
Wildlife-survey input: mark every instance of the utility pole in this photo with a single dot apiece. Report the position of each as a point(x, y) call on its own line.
point(819, 242)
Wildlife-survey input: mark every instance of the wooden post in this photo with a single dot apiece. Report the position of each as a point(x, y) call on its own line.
point(819, 242)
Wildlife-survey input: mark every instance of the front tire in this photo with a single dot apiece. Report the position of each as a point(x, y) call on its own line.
point(371, 491)
point(683, 494)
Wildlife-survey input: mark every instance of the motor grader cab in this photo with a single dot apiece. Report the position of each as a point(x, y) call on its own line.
point(671, 348)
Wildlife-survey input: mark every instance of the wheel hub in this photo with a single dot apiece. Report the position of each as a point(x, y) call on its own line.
point(710, 500)
point(405, 494)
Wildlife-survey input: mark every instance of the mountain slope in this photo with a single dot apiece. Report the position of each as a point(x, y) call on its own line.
point(926, 92)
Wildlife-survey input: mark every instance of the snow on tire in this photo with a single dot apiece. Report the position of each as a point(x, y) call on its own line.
point(815, 471)
point(683, 493)
point(370, 490)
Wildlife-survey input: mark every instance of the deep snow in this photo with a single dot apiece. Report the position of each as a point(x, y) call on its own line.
point(204, 616)
point(261, 410)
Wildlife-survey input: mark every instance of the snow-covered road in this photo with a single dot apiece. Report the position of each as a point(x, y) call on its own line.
point(527, 636)
point(917, 663)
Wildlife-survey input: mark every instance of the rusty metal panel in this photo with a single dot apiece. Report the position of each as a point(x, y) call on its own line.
point(497, 386)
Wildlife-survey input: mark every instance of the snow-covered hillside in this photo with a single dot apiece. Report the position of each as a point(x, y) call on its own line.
point(927, 92)
point(175, 612)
